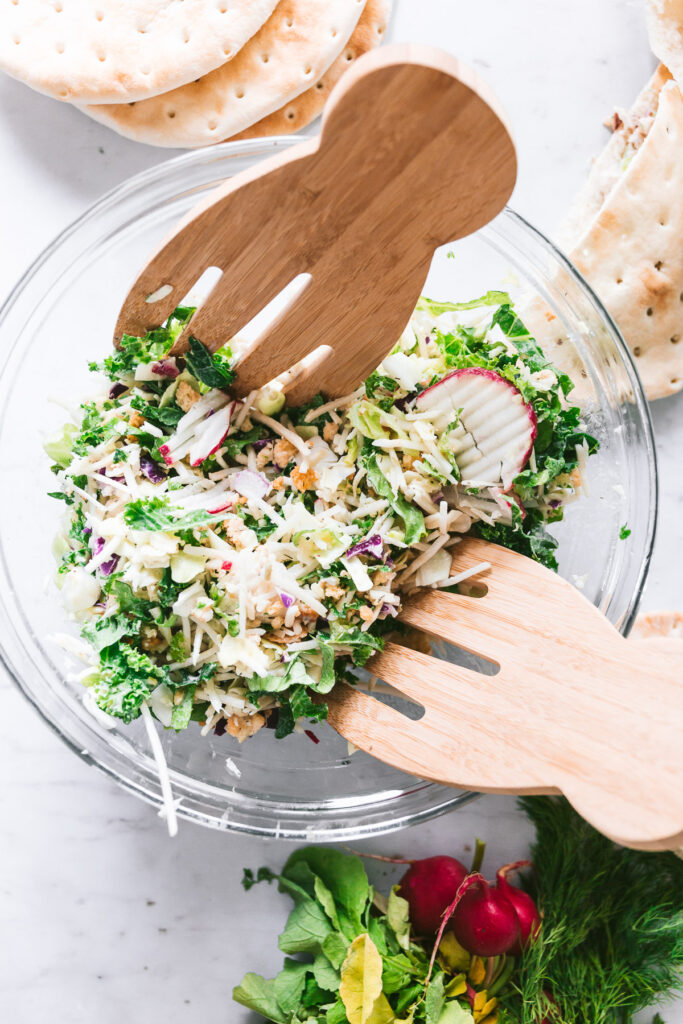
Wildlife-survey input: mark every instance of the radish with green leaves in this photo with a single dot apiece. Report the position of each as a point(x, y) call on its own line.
point(496, 427)
point(430, 886)
point(528, 917)
point(484, 921)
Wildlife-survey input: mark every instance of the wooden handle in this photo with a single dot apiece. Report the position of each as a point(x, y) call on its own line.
point(413, 153)
point(574, 708)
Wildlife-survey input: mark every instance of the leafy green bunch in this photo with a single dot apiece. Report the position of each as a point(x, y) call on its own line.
point(356, 962)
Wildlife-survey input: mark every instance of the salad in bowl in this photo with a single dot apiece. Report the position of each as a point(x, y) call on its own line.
point(228, 560)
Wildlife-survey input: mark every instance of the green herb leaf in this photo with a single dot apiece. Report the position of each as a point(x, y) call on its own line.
point(306, 929)
point(108, 630)
point(344, 877)
point(124, 681)
point(413, 520)
point(257, 994)
point(398, 917)
point(325, 974)
point(168, 416)
point(491, 298)
point(158, 514)
point(435, 999)
point(181, 714)
point(335, 947)
point(138, 607)
point(212, 369)
point(289, 985)
point(455, 1013)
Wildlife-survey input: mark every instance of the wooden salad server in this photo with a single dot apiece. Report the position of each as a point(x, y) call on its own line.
point(413, 153)
point(575, 708)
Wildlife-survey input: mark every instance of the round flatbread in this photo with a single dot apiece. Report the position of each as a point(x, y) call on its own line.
point(665, 29)
point(653, 624)
point(299, 112)
point(286, 56)
point(116, 51)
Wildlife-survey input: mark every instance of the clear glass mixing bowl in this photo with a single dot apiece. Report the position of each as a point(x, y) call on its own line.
point(61, 315)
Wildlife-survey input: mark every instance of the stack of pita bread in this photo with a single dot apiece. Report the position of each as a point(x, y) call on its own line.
point(189, 72)
point(625, 229)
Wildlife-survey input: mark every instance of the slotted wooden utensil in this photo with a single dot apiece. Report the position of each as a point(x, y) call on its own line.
point(413, 154)
point(575, 708)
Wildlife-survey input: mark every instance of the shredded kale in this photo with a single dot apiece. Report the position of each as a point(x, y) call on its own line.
point(158, 514)
point(212, 369)
point(125, 680)
point(150, 348)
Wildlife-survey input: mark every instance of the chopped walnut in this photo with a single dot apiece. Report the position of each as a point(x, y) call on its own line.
point(279, 483)
point(283, 452)
point(366, 614)
point(186, 396)
point(333, 590)
point(235, 530)
point(303, 481)
point(330, 431)
point(242, 727)
point(152, 640)
point(307, 613)
point(137, 419)
point(264, 456)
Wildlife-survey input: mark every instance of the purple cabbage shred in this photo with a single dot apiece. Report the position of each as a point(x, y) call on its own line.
point(151, 469)
point(373, 545)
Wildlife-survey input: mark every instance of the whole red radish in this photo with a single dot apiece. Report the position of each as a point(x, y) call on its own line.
point(430, 886)
point(484, 922)
point(527, 913)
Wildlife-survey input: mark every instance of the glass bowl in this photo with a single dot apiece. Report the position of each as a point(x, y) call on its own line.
point(61, 315)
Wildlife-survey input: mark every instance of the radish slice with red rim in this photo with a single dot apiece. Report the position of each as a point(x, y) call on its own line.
point(496, 428)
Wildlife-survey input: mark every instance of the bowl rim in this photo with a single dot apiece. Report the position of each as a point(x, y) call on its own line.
point(305, 824)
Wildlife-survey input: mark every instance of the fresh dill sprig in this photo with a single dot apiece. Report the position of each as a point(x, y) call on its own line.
point(611, 943)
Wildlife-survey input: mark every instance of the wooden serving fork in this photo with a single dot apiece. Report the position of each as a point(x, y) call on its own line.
point(413, 154)
point(575, 708)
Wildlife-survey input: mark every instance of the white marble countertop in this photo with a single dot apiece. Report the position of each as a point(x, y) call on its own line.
point(101, 916)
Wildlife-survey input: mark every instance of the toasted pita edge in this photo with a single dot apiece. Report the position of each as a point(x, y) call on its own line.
point(118, 51)
point(292, 50)
point(606, 169)
point(299, 112)
point(665, 30)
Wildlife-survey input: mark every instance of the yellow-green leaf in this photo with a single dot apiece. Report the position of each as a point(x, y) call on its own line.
point(398, 916)
point(361, 984)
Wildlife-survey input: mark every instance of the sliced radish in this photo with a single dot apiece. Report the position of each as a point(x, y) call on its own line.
point(250, 484)
point(194, 425)
point(210, 434)
point(496, 429)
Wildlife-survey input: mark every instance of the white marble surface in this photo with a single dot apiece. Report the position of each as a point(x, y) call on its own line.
point(101, 916)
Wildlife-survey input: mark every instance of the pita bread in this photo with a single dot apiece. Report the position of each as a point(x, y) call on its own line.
point(295, 115)
point(665, 29)
point(653, 624)
point(288, 54)
point(113, 51)
point(631, 252)
point(629, 130)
